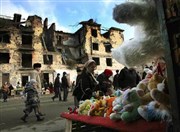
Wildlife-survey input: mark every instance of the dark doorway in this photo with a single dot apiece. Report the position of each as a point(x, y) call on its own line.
point(46, 77)
point(24, 80)
point(5, 77)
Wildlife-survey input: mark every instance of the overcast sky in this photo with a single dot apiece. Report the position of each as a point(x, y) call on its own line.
point(66, 14)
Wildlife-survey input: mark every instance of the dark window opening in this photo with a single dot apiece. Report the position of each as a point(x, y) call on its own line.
point(4, 58)
point(106, 35)
point(63, 61)
point(4, 37)
point(95, 46)
point(46, 77)
point(108, 47)
point(59, 40)
point(26, 39)
point(27, 60)
point(96, 59)
point(109, 61)
point(24, 80)
point(48, 59)
point(94, 32)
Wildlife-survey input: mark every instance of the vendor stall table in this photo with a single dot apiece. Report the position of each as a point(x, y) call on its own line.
point(97, 124)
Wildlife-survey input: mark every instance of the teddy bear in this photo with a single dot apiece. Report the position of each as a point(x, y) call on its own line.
point(84, 107)
point(118, 104)
point(144, 89)
point(129, 111)
point(159, 108)
point(146, 43)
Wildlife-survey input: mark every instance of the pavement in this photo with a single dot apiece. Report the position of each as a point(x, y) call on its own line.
point(56, 125)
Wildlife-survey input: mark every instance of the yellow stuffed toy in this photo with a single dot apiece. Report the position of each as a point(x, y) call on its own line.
point(97, 108)
point(144, 90)
point(84, 107)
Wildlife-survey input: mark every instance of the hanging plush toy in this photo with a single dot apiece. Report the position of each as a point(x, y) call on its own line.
point(146, 44)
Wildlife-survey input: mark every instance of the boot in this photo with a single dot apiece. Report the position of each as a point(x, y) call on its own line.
point(24, 118)
point(39, 118)
point(41, 114)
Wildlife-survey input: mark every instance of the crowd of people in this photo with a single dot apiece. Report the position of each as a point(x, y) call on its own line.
point(86, 84)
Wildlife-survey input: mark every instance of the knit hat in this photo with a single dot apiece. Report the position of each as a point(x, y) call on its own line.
point(108, 72)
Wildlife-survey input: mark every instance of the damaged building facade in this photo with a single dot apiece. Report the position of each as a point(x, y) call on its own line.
point(24, 43)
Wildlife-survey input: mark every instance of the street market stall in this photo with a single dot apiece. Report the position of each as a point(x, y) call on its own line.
point(155, 115)
point(96, 123)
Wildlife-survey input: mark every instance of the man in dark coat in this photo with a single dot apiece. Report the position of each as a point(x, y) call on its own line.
point(128, 78)
point(57, 90)
point(65, 86)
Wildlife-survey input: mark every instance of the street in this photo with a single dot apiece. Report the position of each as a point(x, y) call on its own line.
point(12, 111)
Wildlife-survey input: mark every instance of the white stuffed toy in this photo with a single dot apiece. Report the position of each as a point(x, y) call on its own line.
point(146, 44)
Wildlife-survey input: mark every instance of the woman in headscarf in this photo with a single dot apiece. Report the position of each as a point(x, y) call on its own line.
point(86, 83)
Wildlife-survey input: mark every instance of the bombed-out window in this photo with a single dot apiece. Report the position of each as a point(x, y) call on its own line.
point(4, 58)
point(26, 39)
point(48, 59)
point(108, 61)
point(4, 37)
point(26, 60)
point(95, 46)
point(59, 39)
point(94, 32)
point(108, 47)
point(96, 59)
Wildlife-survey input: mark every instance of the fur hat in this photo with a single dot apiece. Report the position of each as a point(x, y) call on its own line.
point(108, 72)
point(37, 65)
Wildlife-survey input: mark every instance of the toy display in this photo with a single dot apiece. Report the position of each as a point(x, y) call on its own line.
point(148, 100)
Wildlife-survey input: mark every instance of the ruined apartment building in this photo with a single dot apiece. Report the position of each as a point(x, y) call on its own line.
point(24, 43)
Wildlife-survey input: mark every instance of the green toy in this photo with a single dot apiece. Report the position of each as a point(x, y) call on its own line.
point(129, 112)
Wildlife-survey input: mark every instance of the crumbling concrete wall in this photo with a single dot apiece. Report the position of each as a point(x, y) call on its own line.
point(115, 39)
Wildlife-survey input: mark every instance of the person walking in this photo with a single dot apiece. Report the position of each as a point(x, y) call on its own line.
point(57, 90)
point(65, 86)
point(5, 91)
point(76, 103)
point(87, 83)
point(32, 100)
point(115, 80)
point(36, 75)
point(104, 82)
